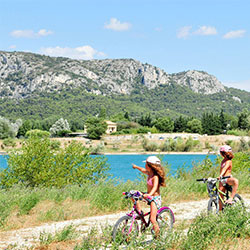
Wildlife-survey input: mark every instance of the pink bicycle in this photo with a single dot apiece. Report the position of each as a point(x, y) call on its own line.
point(128, 226)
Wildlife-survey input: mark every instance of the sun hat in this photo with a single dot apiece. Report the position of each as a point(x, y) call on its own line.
point(225, 148)
point(153, 160)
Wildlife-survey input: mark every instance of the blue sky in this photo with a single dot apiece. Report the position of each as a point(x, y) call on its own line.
point(175, 35)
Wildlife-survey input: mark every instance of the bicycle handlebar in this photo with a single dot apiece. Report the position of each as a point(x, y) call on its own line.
point(205, 179)
point(133, 194)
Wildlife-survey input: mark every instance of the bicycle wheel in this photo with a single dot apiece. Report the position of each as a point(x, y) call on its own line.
point(124, 230)
point(165, 220)
point(238, 200)
point(213, 206)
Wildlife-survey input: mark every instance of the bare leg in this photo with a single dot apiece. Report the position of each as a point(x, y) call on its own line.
point(138, 206)
point(153, 214)
point(234, 183)
point(221, 188)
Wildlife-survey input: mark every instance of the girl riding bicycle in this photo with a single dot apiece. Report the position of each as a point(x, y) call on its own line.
point(225, 170)
point(156, 179)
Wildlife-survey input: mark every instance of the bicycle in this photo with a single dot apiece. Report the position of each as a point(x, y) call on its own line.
point(214, 194)
point(127, 227)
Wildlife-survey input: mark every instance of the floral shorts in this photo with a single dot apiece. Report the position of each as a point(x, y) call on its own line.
point(156, 200)
point(224, 181)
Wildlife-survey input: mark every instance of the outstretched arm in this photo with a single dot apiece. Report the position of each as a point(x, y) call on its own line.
point(143, 170)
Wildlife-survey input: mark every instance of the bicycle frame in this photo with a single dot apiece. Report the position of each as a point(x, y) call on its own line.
point(135, 212)
point(224, 195)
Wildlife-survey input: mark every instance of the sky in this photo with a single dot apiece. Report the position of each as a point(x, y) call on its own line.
point(174, 35)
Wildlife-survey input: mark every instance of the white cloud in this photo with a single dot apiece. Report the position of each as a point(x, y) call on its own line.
point(244, 85)
point(12, 46)
point(83, 52)
point(115, 24)
point(184, 32)
point(206, 31)
point(234, 34)
point(30, 33)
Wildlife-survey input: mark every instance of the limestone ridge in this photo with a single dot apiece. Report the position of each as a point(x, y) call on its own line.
point(24, 74)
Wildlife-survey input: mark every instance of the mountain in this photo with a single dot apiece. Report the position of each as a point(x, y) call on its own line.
point(37, 87)
point(22, 74)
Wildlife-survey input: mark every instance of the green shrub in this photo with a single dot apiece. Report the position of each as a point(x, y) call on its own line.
point(149, 146)
point(55, 145)
point(237, 132)
point(37, 163)
point(143, 130)
point(37, 133)
point(9, 142)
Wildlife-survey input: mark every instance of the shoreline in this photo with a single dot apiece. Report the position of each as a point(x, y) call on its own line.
point(161, 153)
point(147, 153)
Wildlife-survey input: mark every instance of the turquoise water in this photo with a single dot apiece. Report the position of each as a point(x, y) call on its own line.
point(121, 165)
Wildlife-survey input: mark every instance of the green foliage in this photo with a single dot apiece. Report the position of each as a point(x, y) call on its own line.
point(204, 233)
point(37, 133)
point(127, 125)
point(237, 132)
point(194, 126)
point(9, 142)
point(27, 203)
point(96, 150)
point(26, 126)
point(8, 129)
point(180, 145)
point(60, 128)
point(67, 233)
point(96, 127)
point(180, 124)
point(211, 124)
point(241, 162)
point(164, 124)
point(146, 120)
point(244, 120)
point(40, 164)
point(149, 146)
point(216, 230)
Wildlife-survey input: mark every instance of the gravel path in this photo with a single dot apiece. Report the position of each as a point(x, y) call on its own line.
point(27, 237)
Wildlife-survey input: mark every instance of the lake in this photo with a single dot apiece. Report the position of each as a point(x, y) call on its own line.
point(121, 165)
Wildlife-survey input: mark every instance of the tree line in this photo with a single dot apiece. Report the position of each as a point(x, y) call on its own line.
point(209, 123)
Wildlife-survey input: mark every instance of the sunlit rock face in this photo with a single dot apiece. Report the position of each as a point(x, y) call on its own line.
point(24, 74)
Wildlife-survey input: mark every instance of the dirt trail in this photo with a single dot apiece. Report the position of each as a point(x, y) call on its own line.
point(27, 237)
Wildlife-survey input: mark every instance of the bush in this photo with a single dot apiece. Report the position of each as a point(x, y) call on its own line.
point(149, 146)
point(143, 130)
point(60, 128)
point(8, 129)
point(39, 164)
point(237, 132)
point(9, 142)
point(95, 127)
point(37, 133)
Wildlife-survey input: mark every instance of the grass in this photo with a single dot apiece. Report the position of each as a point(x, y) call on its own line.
point(67, 233)
point(228, 230)
point(32, 206)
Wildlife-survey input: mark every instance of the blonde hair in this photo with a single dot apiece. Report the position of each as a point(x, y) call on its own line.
point(159, 171)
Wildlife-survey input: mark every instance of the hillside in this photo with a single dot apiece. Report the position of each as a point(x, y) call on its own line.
point(33, 86)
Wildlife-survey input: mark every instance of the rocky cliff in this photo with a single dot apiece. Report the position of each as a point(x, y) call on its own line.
point(23, 74)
